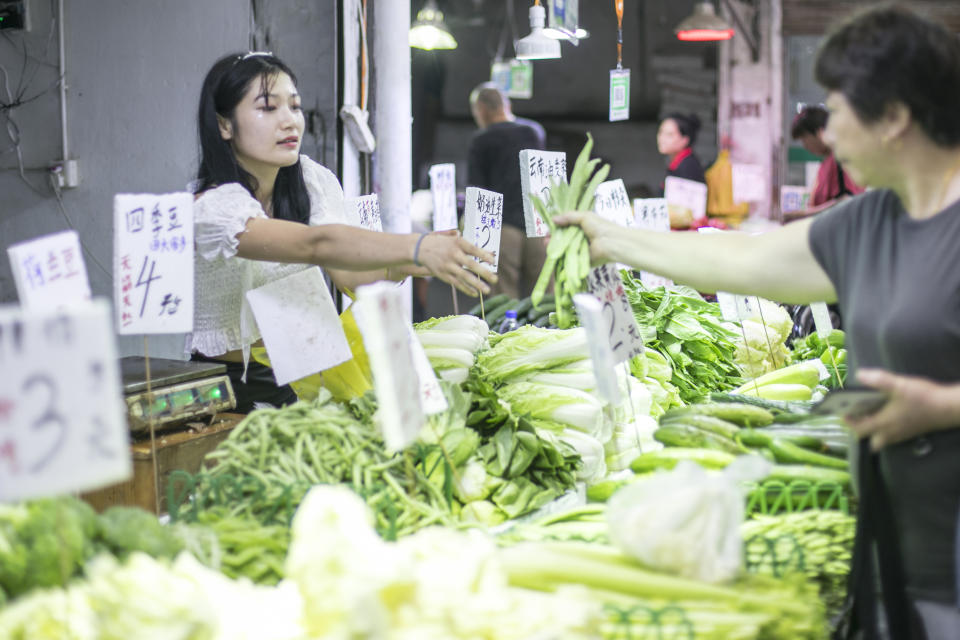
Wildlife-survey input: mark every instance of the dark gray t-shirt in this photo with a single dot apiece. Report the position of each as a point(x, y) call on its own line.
point(898, 285)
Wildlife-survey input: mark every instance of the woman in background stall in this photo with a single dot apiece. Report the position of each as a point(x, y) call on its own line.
point(263, 211)
point(676, 136)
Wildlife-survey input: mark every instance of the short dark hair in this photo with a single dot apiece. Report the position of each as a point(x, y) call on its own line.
point(687, 123)
point(490, 96)
point(890, 54)
point(810, 120)
point(226, 83)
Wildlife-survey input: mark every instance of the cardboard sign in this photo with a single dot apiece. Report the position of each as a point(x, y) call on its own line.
point(368, 211)
point(300, 325)
point(651, 214)
point(821, 319)
point(443, 187)
point(153, 262)
point(49, 271)
point(537, 170)
point(380, 306)
point(685, 195)
point(619, 94)
point(620, 324)
point(62, 418)
point(612, 203)
point(590, 310)
point(483, 220)
point(749, 183)
point(431, 393)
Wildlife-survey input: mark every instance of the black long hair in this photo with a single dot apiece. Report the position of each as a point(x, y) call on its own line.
point(224, 87)
point(688, 124)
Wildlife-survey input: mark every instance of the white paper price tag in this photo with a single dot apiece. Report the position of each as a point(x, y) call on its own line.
point(431, 393)
point(49, 271)
point(387, 342)
point(612, 203)
point(620, 324)
point(483, 220)
point(619, 95)
point(686, 195)
point(153, 262)
point(651, 214)
point(749, 183)
point(443, 187)
point(62, 418)
point(300, 325)
point(537, 170)
point(367, 209)
point(595, 322)
point(821, 318)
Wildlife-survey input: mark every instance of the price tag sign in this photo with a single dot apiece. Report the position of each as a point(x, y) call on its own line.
point(595, 322)
point(821, 318)
point(619, 94)
point(612, 203)
point(651, 214)
point(395, 379)
point(300, 325)
point(49, 271)
point(443, 187)
point(749, 183)
point(482, 221)
point(793, 198)
point(153, 262)
point(367, 209)
point(62, 418)
point(686, 195)
point(620, 324)
point(514, 78)
point(537, 170)
point(431, 393)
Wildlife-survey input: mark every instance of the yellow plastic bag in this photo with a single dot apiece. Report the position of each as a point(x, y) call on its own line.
point(720, 189)
point(345, 381)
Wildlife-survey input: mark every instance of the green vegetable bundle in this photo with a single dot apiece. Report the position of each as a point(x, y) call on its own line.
point(818, 544)
point(568, 254)
point(829, 351)
point(689, 332)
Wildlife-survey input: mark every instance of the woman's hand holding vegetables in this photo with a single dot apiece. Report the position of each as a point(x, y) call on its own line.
point(597, 230)
point(916, 406)
point(449, 257)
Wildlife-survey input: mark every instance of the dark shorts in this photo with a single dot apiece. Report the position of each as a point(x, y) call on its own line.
point(261, 386)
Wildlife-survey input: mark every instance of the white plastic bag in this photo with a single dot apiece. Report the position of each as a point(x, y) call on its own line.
point(685, 521)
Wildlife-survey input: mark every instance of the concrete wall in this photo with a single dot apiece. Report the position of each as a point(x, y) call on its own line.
point(134, 71)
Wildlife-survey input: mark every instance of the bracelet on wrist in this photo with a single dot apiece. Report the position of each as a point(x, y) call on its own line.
point(416, 248)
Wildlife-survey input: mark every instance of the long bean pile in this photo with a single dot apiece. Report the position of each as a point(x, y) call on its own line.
point(277, 454)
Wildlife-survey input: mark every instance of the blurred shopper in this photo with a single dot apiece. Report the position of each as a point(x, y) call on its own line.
point(675, 139)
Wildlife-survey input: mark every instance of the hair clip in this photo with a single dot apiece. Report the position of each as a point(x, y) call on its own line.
point(254, 53)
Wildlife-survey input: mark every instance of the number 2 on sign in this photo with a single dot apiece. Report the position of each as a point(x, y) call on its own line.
point(608, 306)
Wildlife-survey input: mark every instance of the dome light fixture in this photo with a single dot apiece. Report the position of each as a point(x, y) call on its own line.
point(537, 46)
point(429, 31)
point(556, 34)
point(703, 25)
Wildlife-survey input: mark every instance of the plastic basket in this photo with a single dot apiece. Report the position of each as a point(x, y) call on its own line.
point(771, 497)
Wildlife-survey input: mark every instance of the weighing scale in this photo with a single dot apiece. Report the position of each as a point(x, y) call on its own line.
point(180, 390)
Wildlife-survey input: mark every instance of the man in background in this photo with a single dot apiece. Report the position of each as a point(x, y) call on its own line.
point(832, 183)
point(493, 163)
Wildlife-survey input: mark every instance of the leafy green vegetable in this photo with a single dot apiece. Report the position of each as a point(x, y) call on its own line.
point(129, 529)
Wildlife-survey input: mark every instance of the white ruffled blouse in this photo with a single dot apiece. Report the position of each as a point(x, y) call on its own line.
point(222, 319)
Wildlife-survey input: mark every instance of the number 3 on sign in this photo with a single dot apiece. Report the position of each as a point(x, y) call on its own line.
point(62, 424)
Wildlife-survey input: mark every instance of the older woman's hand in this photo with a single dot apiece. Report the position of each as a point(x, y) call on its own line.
point(449, 257)
point(916, 406)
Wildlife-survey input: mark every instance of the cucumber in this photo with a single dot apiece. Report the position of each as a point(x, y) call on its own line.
point(789, 472)
point(705, 422)
point(601, 491)
point(745, 415)
point(489, 304)
point(773, 406)
point(523, 307)
point(544, 310)
point(668, 458)
point(679, 434)
point(789, 453)
point(542, 321)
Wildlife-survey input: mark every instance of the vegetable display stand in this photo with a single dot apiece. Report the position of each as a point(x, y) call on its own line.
point(179, 450)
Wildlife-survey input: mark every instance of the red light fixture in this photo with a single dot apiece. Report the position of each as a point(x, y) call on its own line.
point(703, 25)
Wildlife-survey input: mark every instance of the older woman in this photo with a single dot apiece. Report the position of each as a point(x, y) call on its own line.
point(889, 257)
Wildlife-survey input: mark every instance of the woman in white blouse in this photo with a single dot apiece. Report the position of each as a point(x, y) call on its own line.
point(263, 211)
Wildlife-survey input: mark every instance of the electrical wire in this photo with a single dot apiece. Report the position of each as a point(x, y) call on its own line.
point(66, 216)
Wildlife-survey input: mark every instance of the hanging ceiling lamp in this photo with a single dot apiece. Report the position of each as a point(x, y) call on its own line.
point(537, 46)
point(703, 25)
point(429, 31)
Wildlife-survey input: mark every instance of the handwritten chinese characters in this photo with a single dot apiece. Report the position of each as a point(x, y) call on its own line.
point(537, 170)
point(62, 425)
point(367, 209)
point(483, 220)
point(605, 283)
point(651, 214)
point(49, 271)
point(153, 262)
